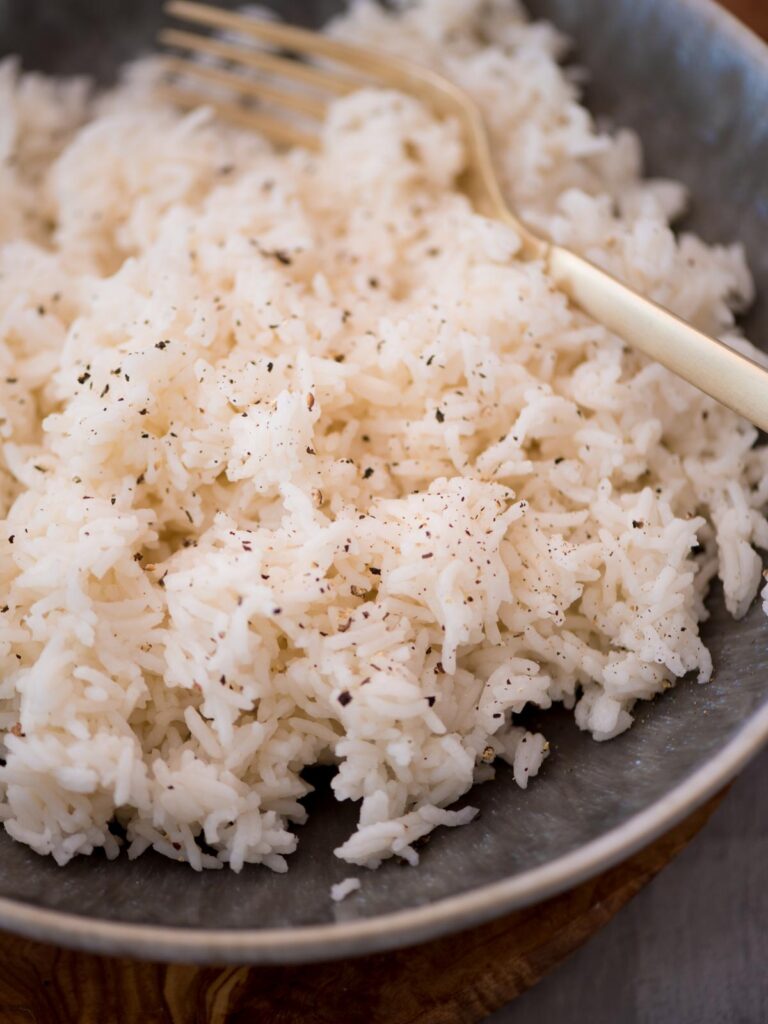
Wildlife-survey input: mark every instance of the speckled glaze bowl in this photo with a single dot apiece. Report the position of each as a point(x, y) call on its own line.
point(695, 85)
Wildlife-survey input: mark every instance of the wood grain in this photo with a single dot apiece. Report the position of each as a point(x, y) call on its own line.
point(456, 980)
point(753, 12)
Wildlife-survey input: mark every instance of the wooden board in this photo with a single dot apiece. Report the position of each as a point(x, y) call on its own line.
point(456, 980)
point(753, 12)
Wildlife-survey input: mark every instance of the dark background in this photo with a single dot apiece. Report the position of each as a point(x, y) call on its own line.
point(692, 948)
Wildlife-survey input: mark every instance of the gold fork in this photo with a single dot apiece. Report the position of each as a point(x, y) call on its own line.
point(314, 69)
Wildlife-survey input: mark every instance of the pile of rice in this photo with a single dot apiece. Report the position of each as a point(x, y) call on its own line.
point(299, 463)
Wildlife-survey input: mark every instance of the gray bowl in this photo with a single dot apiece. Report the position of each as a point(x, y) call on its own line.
point(695, 85)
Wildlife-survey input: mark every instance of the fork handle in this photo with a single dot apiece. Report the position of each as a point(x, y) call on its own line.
point(709, 364)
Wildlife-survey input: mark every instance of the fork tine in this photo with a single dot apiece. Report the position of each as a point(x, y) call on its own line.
point(300, 102)
point(258, 60)
point(296, 40)
point(282, 132)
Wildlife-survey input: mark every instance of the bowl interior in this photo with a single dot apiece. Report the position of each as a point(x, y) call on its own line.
point(696, 90)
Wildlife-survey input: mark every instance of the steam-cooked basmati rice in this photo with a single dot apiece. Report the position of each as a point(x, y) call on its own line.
point(344, 888)
point(300, 464)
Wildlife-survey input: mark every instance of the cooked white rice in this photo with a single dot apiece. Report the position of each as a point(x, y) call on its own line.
point(300, 464)
point(342, 889)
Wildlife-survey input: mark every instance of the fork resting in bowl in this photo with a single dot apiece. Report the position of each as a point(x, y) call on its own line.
point(307, 70)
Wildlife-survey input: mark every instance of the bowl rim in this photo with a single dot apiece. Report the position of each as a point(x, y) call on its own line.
point(295, 944)
point(401, 928)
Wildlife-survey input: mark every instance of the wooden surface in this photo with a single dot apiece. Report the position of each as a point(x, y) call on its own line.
point(753, 12)
point(457, 980)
